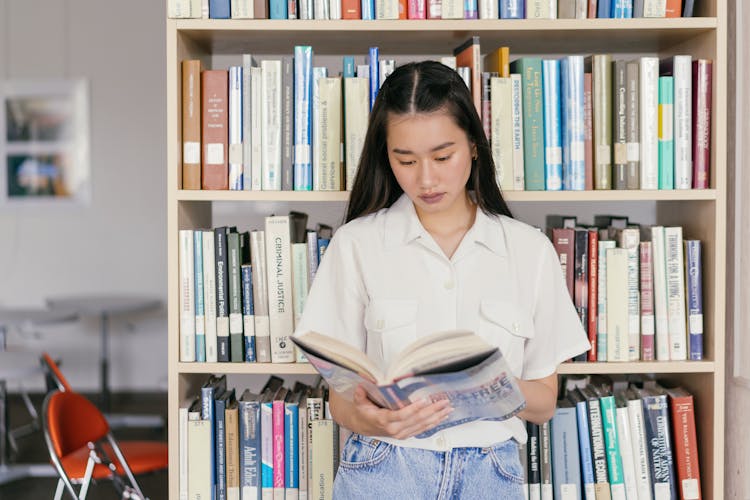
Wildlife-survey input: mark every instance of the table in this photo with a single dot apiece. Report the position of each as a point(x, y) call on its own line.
point(17, 365)
point(106, 306)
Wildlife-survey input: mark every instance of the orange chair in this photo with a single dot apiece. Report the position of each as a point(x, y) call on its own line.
point(82, 448)
point(55, 375)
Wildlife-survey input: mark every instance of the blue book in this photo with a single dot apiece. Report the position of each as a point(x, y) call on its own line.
point(470, 9)
point(291, 444)
point(368, 10)
point(622, 9)
point(303, 80)
point(694, 290)
point(604, 10)
point(566, 469)
point(249, 444)
point(200, 326)
point(349, 68)
point(530, 69)
point(552, 128)
point(220, 440)
point(584, 444)
point(210, 391)
point(656, 420)
point(374, 74)
point(266, 442)
point(277, 9)
point(248, 312)
point(512, 9)
point(574, 161)
point(322, 246)
point(219, 9)
point(666, 132)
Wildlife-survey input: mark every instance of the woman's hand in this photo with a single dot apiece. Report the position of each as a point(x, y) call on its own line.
point(365, 417)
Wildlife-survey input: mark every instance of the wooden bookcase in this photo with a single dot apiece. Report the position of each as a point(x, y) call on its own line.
point(701, 213)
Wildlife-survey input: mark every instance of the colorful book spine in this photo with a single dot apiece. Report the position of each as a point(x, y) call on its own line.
point(278, 9)
point(374, 55)
point(248, 312)
point(291, 449)
point(566, 468)
point(187, 300)
point(236, 341)
point(530, 69)
point(702, 95)
point(249, 415)
point(552, 125)
point(267, 448)
point(214, 135)
point(219, 9)
point(622, 9)
point(279, 466)
point(682, 410)
point(647, 301)
point(512, 9)
point(519, 181)
point(614, 458)
point(303, 118)
point(574, 158)
point(209, 295)
point(593, 291)
point(659, 441)
point(694, 291)
point(584, 444)
point(200, 323)
point(666, 134)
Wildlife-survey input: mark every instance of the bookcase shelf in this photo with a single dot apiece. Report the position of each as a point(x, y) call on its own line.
point(702, 213)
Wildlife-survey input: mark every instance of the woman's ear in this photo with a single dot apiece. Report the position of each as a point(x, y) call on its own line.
point(474, 154)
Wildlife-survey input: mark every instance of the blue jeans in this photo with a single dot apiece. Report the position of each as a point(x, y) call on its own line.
point(370, 468)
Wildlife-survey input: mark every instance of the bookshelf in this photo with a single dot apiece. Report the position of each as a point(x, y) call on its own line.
point(701, 213)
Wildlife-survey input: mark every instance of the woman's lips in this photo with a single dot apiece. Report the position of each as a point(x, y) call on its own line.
point(431, 198)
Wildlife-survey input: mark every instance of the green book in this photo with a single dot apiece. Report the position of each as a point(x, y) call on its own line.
point(611, 441)
point(666, 132)
point(236, 340)
point(530, 69)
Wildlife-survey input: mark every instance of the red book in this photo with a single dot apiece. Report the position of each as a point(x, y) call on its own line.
point(468, 54)
point(647, 301)
point(682, 408)
point(402, 9)
point(434, 9)
point(417, 9)
point(593, 6)
point(702, 76)
point(588, 133)
point(674, 8)
point(214, 128)
point(351, 9)
point(593, 291)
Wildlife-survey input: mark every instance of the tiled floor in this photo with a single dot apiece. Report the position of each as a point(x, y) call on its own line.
point(33, 449)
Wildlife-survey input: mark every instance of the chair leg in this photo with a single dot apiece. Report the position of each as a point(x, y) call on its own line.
point(87, 477)
point(60, 489)
point(125, 466)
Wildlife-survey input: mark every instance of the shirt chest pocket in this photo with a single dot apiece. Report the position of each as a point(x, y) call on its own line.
point(506, 325)
point(391, 325)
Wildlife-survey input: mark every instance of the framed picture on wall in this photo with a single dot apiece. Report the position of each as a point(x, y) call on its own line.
point(44, 142)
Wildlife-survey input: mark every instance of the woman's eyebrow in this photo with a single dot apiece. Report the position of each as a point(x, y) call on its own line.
point(436, 148)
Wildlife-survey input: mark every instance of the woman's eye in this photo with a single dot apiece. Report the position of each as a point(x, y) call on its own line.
point(443, 158)
point(406, 163)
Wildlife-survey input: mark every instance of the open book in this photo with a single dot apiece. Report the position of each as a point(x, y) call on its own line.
point(456, 365)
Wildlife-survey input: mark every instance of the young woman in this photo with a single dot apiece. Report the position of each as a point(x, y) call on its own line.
point(430, 245)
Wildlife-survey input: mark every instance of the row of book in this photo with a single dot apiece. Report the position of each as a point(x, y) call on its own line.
point(608, 442)
point(278, 443)
point(241, 293)
point(428, 9)
point(638, 290)
point(574, 123)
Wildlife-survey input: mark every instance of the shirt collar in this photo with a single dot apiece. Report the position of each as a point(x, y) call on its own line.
point(402, 226)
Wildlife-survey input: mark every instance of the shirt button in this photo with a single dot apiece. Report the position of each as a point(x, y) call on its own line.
point(449, 285)
point(516, 327)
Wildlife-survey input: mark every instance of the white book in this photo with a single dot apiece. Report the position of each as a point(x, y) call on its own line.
point(209, 295)
point(682, 70)
point(334, 8)
point(661, 311)
point(519, 177)
point(256, 127)
point(356, 114)
point(363, 71)
point(385, 68)
point(280, 301)
point(327, 153)
point(501, 130)
point(488, 9)
point(242, 9)
point(302, 462)
point(625, 442)
point(654, 8)
point(235, 128)
point(640, 450)
point(601, 306)
point(199, 459)
point(649, 118)
point(200, 310)
point(184, 9)
point(321, 485)
point(260, 296)
point(271, 124)
point(449, 61)
point(322, 9)
point(247, 121)
point(675, 268)
point(187, 297)
point(204, 9)
point(630, 239)
point(386, 9)
point(541, 9)
point(182, 420)
point(453, 9)
point(617, 304)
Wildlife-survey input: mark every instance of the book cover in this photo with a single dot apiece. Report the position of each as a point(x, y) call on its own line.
point(187, 298)
point(236, 166)
point(279, 274)
point(552, 125)
point(248, 312)
point(214, 125)
point(260, 296)
point(665, 132)
point(682, 410)
point(236, 334)
point(572, 123)
point(702, 95)
point(222, 293)
point(191, 124)
point(200, 323)
point(468, 54)
point(462, 368)
point(249, 443)
point(302, 118)
point(530, 69)
point(694, 292)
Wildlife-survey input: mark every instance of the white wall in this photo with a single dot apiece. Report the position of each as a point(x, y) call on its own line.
point(117, 243)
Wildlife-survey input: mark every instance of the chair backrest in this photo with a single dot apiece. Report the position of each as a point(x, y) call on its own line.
point(71, 421)
point(54, 372)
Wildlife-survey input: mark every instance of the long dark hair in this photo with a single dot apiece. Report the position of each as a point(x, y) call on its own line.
point(421, 87)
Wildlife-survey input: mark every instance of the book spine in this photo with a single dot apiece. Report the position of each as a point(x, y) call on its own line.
point(260, 296)
point(291, 449)
point(552, 125)
point(200, 323)
point(249, 414)
point(665, 132)
point(618, 331)
point(233, 450)
point(351, 9)
point(566, 471)
point(356, 114)
point(267, 449)
point(535, 474)
point(593, 292)
point(530, 70)
point(279, 466)
point(287, 122)
point(374, 55)
point(517, 115)
point(656, 422)
point(209, 295)
point(647, 302)
point(614, 458)
point(214, 135)
point(248, 312)
point(303, 118)
point(625, 441)
point(683, 121)
point(584, 443)
point(242, 9)
point(236, 176)
point(512, 9)
point(247, 114)
point(236, 341)
point(661, 309)
point(601, 306)
point(702, 95)
point(588, 133)
point(191, 124)
point(633, 124)
point(682, 410)
point(694, 290)
point(676, 293)
point(222, 291)
point(200, 451)
point(599, 455)
point(328, 176)
point(221, 448)
point(278, 9)
point(619, 128)
point(581, 294)
point(501, 131)
point(602, 91)
point(271, 115)
point(630, 240)
point(256, 127)
point(545, 461)
point(649, 93)
point(187, 299)
point(574, 157)
point(279, 266)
